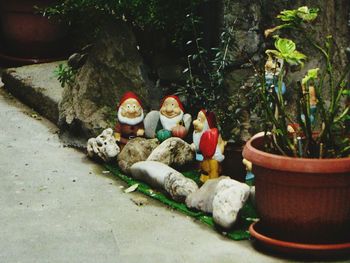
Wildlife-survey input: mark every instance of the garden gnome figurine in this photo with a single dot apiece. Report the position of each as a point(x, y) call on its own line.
point(312, 102)
point(130, 119)
point(272, 70)
point(170, 121)
point(212, 147)
point(205, 120)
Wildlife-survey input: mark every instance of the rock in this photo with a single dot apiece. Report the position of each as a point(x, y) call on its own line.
point(76, 60)
point(113, 66)
point(242, 21)
point(152, 173)
point(223, 197)
point(179, 186)
point(230, 196)
point(103, 146)
point(174, 152)
point(164, 177)
point(203, 198)
point(136, 150)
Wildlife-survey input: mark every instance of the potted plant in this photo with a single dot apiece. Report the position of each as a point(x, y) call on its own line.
point(301, 163)
point(28, 36)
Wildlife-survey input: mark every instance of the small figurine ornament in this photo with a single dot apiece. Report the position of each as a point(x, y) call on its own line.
point(130, 119)
point(310, 90)
point(205, 120)
point(208, 144)
point(272, 70)
point(170, 121)
point(212, 147)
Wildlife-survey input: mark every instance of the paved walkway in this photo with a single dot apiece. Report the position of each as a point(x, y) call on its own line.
point(58, 206)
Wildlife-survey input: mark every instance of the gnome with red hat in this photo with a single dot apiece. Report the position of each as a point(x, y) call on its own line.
point(170, 120)
point(205, 120)
point(130, 118)
point(209, 145)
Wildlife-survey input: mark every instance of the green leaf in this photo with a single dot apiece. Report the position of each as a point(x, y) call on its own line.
point(296, 16)
point(346, 92)
point(287, 15)
point(285, 46)
point(311, 75)
point(286, 50)
point(306, 14)
point(273, 52)
point(343, 116)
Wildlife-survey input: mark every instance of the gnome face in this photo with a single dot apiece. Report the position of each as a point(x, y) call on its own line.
point(200, 124)
point(170, 108)
point(170, 113)
point(130, 112)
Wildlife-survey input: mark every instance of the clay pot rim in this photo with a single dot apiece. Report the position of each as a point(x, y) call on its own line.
point(293, 164)
point(293, 245)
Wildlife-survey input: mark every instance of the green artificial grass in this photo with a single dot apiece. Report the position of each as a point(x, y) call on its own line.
point(240, 231)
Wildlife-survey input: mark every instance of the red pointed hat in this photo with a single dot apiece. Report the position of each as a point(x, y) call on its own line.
point(208, 143)
point(211, 118)
point(174, 97)
point(129, 95)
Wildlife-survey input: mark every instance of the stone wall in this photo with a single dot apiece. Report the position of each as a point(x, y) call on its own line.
point(113, 67)
point(116, 64)
point(247, 22)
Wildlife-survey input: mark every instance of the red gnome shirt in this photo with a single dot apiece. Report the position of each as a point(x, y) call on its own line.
point(127, 131)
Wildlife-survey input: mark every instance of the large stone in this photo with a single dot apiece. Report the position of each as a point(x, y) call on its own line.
point(223, 197)
point(164, 177)
point(174, 152)
point(230, 196)
point(113, 67)
point(136, 150)
point(203, 198)
point(241, 20)
point(153, 173)
point(179, 186)
point(36, 86)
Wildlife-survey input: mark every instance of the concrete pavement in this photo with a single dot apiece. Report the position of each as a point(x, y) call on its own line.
point(58, 206)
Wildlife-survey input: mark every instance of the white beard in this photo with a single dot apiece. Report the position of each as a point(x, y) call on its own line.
point(169, 123)
point(197, 135)
point(129, 121)
point(218, 155)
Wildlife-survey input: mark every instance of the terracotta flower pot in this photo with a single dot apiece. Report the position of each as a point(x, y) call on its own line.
point(27, 34)
point(299, 199)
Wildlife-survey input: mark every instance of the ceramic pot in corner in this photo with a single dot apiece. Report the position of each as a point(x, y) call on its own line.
point(27, 34)
point(299, 199)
